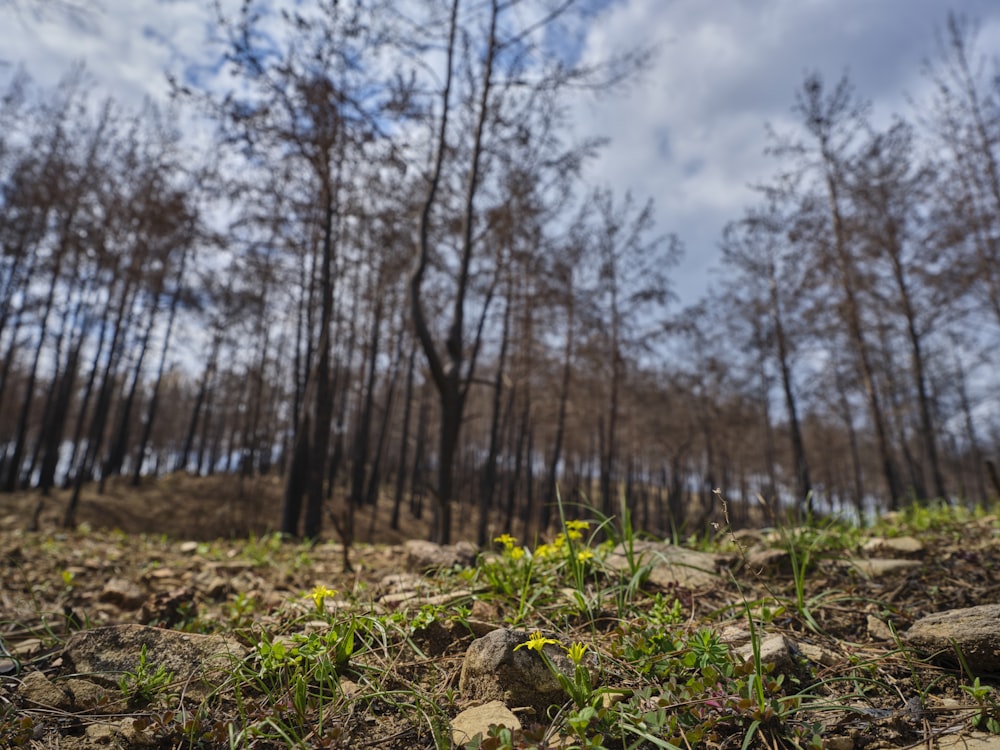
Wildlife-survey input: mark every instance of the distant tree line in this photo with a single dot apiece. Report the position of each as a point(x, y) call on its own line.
point(385, 278)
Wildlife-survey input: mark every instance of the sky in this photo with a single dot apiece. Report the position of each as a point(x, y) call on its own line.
point(690, 133)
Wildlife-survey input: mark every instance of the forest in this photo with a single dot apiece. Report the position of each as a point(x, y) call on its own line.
point(373, 265)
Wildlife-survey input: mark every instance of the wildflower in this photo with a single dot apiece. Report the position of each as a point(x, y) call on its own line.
point(576, 651)
point(536, 642)
point(575, 529)
point(584, 555)
point(506, 540)
point(319, 594)
point(545, 550)
point(516, 553)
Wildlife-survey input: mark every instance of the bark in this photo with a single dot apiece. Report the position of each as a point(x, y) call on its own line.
point(487, 487)
point(204, 384)
point(451, 385)
point(404, 439)
point(552, 496)
point(802, 480)
point(855, 327)
point(154, 400)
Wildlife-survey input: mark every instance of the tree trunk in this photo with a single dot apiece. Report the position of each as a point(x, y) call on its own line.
point(487, 486)
point(404, 439)
point(154, 400)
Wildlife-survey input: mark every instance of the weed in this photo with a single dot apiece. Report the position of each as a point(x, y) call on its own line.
point(145, 683)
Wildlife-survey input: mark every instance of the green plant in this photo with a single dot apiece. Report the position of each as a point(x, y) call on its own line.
point(145, 683)
point(987, 714)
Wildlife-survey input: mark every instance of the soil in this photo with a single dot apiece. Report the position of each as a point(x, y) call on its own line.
point(182, 531)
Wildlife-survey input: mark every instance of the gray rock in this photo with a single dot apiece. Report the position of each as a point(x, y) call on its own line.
point(878, 630)
point(671, 565)
point(423, 556)
point(975, 630)
point(877, 567)
point(973, 741)
point(479, 719)
point(201, 662)
point(495, 669)
point(774, 649)
point(769, 560)
point(898, 545)
point(123, 593)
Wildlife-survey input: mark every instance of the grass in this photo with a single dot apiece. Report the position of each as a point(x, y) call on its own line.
point(650, 668)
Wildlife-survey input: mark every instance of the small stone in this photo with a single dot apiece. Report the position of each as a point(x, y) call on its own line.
point(496, 669)
point(478, 720)
point(774, 649)
point(973, 630)
point(838, 743)
point(818, 654)
point(39, 691)
point(877, 567)
point(123, 593)
point(972, 741)
point(769, 560)
point(671, 565)
point(198, 661)
point(898, 545)
point(878, 630)
point(101, 734)
point(423, 556)
point(188, 547)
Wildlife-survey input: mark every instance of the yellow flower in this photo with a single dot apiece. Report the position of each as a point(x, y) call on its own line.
point(506, 540)
point(544, 550)
point(584, 555)
point(536, 642)
point(576, 652)
point(319, 595)
point(516, 553)
point(575, 529)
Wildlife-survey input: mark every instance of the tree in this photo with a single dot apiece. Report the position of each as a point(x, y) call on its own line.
point(498, 87)
point(763, 287)
point(833, 121)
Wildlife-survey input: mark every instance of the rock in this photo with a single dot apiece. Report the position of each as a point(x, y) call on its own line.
point(38, 690)
point(818, 654)
point(167, 607)
point(423, 556)
point(199, 662)
point(774, 649)
point(672, 565)
point(123, 593)
point(877, 567)
point(894, 546)
point(495, 669)
point(878, 630)
point(972, 741)
point(974, 630)
point(769, 561)
point(838, 743)
point(478, 720)
point(101, 734)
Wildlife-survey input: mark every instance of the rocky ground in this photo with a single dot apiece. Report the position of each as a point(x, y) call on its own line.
point(883, 639)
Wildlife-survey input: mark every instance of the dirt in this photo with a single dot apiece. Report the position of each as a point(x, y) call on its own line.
point(184, 535)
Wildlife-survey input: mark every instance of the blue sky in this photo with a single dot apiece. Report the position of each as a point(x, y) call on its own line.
point(690, 134)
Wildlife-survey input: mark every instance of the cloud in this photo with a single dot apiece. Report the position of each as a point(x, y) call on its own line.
point(691, 132)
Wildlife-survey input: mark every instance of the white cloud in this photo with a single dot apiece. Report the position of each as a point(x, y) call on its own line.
point(690, 133)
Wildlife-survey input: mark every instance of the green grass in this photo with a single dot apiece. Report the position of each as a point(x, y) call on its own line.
point(650, 668)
